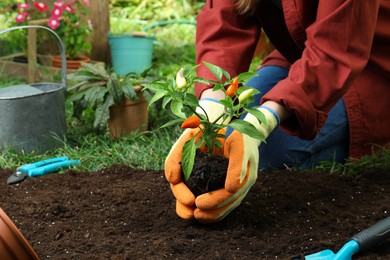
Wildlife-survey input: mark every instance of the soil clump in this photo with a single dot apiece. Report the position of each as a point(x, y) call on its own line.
point(208, 174)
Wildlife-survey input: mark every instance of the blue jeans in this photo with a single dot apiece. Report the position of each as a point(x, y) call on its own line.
point(281, 149)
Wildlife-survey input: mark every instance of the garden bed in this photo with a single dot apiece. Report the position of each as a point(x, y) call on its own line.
point(120, 213)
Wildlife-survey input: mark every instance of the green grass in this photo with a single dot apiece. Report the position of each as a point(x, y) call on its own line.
point(7, 82)
point(145, 150)
point(378, 161)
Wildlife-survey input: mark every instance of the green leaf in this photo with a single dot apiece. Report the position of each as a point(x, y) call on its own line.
point(246, 128)
point(228, 103)
point(115, 90)
point(155, 86)
point(75, 86)
point(157, 96)
point(102, 114)
point(190, 70)
point(87, 85)
point(201, 80)
point(165, 102)
point(200, 143)
point(244, 77)
point(129, 91)
point(176, 109)
point(92, 95)
point(172, 122)
point(188, 157)
point(217, 71)
point(80, 39)
point(191, 100)
point(77, 96)
point(258, 114)
point(218, 143)
point(218, 86)
point(220, 136)
point(93, 69)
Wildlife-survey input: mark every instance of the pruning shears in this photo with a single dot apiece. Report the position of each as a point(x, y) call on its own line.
point(40, 168)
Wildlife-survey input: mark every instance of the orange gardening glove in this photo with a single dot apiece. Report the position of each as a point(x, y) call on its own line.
point(185, 199)
point(243, 155)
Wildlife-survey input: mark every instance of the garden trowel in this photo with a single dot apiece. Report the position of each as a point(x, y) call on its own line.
point(358, 243)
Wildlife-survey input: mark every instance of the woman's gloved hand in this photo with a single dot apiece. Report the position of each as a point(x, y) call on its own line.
point(185, 199)
point(243, 155)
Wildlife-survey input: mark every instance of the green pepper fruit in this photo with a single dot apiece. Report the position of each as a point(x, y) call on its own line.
point(245, 95)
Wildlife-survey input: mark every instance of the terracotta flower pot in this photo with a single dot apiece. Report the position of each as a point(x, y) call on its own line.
point(128, 116)
point(70, 64)
point(13, 245)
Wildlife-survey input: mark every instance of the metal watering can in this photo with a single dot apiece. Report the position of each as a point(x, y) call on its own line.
point(32, 116)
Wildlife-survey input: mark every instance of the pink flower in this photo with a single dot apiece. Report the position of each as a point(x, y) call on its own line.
point(59, 4)
point(21, 17)
point(23, 6)
point(53, 22)
point(85, 2)
point(69, 8)
point(41, 6)
point(56, 12)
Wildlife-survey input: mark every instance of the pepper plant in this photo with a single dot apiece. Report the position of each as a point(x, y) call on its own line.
point(177, 95)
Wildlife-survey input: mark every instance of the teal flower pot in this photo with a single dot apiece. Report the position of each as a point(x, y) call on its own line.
point(130, 53)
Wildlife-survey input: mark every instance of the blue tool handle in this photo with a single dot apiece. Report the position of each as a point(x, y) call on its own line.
point(30, 166)
point(51, 168)
point(373, 235)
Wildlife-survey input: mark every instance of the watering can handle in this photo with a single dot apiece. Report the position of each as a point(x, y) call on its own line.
point(59, 42)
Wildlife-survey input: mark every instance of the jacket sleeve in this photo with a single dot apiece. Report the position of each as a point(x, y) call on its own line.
point(225, 39)
point(275, 58)
point(337, 49)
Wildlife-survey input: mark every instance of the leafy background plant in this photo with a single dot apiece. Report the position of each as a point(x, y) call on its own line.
point(96, 87)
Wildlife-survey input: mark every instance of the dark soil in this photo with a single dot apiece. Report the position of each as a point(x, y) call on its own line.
point(122, 213)
point(208, 174)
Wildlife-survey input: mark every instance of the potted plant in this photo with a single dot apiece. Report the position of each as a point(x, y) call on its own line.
point(68, 19)
point(177, 95)
point(114, 98)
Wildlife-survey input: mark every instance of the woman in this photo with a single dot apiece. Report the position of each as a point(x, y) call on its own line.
point(327, 84)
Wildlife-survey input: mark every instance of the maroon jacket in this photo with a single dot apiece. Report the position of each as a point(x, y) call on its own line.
point(341, 49)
